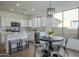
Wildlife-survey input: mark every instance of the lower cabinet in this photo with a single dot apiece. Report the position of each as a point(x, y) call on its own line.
point(17, 45)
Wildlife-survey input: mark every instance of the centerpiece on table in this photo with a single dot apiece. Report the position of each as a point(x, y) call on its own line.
point(50, 33)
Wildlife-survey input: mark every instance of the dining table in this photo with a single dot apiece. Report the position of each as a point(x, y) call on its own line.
point(53, 39)
point(50, 40)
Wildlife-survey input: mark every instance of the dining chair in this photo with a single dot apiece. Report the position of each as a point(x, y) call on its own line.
point(65, 47)
point(58, 46)
point(55, 48)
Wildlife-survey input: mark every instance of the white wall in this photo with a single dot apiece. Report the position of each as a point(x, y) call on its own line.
point(12, 15)
point(8, 17)
point(73, 44)
point(6, 21)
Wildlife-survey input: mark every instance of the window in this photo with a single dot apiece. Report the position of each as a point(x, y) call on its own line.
point(70, 16)
point(74, 24)
point(36, 22)
point(70, 22)
point(57, 22)
point(39, 23)
point(30, 23)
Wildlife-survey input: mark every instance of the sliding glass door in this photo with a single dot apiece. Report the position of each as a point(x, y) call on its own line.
point(66, 24)
point(70, 23)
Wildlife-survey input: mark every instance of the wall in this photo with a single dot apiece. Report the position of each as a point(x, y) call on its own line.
point(12, 15)
point(73, 44)
point(7, 17)
point(6, 21)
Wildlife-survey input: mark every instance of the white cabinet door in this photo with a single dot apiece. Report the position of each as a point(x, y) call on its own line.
point(23, 23)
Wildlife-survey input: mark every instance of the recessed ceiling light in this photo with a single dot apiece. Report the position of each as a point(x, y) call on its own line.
point(17, 4)
point(33, 9)
point(11, 9)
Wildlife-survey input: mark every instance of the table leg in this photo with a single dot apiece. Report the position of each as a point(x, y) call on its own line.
point(28, 44)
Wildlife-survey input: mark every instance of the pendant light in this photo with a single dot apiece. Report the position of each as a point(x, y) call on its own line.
point(50, 11)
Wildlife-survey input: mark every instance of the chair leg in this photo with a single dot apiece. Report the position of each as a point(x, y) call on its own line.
point(66, 52)
point(58, 51)
point(35, 51)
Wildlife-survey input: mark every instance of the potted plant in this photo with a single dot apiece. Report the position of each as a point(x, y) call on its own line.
point(50, 33)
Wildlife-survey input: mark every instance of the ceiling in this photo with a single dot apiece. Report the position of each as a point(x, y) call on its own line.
point(40, 7)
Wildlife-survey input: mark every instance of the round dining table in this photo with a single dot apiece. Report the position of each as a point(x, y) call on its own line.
point(50, 40)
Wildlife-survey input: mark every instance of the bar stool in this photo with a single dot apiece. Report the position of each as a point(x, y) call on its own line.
point(14, 46)
point(25, 44)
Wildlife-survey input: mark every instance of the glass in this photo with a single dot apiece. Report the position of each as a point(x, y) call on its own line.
point(57, 24)
point(39, 23)
point(36, 22)
point(68, 23)
point(30, 23)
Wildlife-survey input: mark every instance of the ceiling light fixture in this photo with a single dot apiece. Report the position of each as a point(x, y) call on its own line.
point(50, 11)
point(50, 15)
point(17, 4)
point(33, 9)
point(11, 9)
